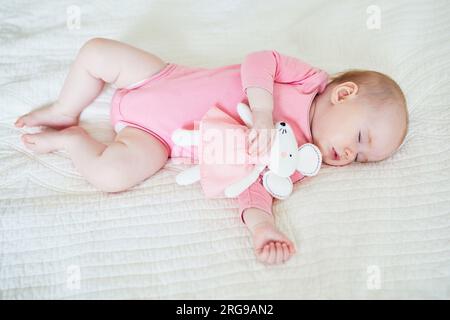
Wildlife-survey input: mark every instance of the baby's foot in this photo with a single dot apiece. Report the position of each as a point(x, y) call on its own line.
point(49, 116)
point(51, 140)
point(271, 246)
point(42, 142)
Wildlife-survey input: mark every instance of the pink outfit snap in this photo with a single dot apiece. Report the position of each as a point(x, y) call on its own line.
point(179, 96)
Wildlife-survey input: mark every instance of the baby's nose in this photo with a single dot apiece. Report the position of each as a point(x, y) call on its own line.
point(348, 153)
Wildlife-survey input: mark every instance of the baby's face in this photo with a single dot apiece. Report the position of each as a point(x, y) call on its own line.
point(347, 131)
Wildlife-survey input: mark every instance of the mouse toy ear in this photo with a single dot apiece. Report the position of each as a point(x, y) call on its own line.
point(277, 186)
point(309, 160)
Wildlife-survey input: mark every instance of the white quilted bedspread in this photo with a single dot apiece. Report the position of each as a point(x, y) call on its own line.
point(379, 230)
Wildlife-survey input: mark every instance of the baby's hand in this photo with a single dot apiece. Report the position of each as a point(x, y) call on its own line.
point(271, 246)
point(260, 135)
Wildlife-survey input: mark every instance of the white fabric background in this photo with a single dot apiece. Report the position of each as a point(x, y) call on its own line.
point(355, 227)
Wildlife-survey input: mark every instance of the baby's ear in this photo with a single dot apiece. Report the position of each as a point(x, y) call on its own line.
point(309, 160)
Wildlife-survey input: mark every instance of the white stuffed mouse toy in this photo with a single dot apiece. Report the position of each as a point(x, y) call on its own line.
point(285, 158)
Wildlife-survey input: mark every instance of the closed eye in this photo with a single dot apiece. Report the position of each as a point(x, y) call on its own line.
point(359, 141)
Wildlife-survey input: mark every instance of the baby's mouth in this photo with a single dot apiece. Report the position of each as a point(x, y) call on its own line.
point(334, 154)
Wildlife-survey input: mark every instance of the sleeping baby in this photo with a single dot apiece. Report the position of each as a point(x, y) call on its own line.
point(354, 116)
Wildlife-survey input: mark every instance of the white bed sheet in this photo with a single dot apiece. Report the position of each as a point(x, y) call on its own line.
point(370, 231)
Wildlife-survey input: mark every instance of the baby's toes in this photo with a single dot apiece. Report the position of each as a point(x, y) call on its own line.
point(29, 141)
point(22, 121)
point(29, 138)
point(19, 123)
point(38, 142)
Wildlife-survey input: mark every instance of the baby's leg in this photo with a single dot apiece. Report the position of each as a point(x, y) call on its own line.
point(98, 61)
point(134, 155)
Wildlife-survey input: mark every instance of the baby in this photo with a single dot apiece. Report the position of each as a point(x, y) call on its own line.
point(357, 116)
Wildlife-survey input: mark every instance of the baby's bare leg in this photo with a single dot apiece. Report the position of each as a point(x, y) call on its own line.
point(98, 61)
point(134, 155)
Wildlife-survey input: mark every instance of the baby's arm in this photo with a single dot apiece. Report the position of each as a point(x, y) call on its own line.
point(260, 102)
point(259, 71)
point(255, 209)
point(271, 246)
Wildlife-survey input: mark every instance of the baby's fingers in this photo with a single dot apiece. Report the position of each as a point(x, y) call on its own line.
point(279, 258)
point(253, 147)
point(272, 254)
point(253, 133)
point(259, 146)
point(286, 254)
point(290, 245)
point(263, 253)
point(264, 142)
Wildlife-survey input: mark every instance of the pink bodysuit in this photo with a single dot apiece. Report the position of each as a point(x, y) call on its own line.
point(177, 96)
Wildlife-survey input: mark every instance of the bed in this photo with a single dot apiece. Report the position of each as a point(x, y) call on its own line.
point(364, 231)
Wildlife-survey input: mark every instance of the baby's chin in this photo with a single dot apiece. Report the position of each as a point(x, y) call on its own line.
point(327, 161)
point(333, 164)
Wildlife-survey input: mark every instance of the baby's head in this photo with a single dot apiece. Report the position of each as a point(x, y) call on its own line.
point(361, 116)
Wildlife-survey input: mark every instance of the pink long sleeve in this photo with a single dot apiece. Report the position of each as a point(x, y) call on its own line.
point(263, 68)
point(256, 196)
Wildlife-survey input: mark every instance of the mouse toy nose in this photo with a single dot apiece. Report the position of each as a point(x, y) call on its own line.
point(282, 124)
